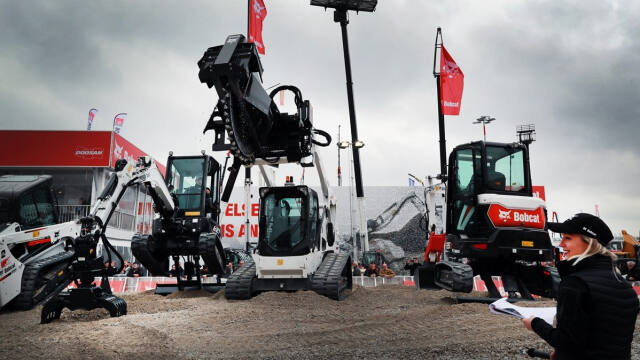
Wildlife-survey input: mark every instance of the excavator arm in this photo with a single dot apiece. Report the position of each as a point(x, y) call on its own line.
point(387, 215)
point(246, 115)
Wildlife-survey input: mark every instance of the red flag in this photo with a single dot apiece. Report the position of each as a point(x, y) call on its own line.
point(92, 115)
point(451, 84)
point(118, 122)
point(257, 13)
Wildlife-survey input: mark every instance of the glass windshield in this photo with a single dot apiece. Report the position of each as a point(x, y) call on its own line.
point(282, 217)
point(464, 171)
point(505, 169)
point(36, 209)
point(186, 182)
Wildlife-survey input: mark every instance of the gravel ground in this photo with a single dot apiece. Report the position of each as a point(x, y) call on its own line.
point(388, 322)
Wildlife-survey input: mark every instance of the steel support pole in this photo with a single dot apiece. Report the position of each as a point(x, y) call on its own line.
point(247, 207)
point(443, 141)
point(341, 17)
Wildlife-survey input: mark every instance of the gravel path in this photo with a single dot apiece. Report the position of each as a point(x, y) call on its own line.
point(389, 322)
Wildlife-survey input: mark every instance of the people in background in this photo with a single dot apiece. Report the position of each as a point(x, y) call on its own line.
point(355, 270)
point(135, 270)
point(228, 270)
point(126, 267)
point(362, 269)
point(385, 272)
point(412, 265)
point(175, 272)
point(372, 270)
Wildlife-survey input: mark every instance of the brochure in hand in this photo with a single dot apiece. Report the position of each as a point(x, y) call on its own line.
point(502, 306)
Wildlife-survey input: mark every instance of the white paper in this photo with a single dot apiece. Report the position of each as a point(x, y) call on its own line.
point(502, 306)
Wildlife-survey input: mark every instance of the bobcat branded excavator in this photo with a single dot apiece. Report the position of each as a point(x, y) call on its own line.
point(494, 225)
point(38, 263)
point(296, 247)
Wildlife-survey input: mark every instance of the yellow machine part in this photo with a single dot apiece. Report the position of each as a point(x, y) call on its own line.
point(628, 243)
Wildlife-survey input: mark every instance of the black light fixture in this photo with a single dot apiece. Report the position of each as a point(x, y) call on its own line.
point(526, 134)
point(484, 120)
point(355, 5)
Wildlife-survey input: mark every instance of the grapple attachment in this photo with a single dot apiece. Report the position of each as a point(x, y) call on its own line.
point(255, 127)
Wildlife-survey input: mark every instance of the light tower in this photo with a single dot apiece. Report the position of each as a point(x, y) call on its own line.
point(484, 120)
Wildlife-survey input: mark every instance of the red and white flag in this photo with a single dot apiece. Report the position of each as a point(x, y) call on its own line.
point(451, 84)
point(118, 122)
point(92, 115)
point(257, 13)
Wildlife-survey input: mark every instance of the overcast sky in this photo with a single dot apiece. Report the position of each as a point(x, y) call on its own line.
point(569, 67)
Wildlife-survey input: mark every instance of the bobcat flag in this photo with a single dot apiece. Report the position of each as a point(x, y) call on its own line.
point(257, 13)
point(118, 122)
point(451, 84)
point(92, 114)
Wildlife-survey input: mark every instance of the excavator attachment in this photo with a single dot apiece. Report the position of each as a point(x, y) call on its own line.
point(254, 125)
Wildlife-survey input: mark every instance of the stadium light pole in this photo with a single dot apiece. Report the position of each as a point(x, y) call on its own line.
point(357, 145)
point(484, 120)
point(340, 16)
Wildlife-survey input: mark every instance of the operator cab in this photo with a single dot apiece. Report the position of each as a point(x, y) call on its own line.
point(483, 168)
point(27, 200)
point(193, 180)
point(289, 217)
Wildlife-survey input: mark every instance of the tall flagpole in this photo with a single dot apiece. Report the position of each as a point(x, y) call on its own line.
point(443, 141)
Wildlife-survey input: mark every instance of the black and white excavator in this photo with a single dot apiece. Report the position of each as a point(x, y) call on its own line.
point(297, 243)
point(38, 263)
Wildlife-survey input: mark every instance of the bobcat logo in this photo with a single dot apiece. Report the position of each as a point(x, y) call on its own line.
point(257, 8)
point(504, 215)
point(117, 152)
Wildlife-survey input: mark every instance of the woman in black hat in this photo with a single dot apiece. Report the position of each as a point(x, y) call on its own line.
point(597, 309)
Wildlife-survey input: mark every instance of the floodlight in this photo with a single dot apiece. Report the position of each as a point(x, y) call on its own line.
point(355, 5)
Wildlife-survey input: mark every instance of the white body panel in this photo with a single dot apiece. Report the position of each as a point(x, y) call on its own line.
point(140, 172)
point(511, 201)
point(287, 267)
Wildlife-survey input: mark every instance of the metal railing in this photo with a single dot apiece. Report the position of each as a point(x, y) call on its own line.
point(366, 281)
point(72, 212)
point(119, 219)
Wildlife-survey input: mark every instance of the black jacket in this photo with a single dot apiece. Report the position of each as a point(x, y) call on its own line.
point(596, 312)
point(411, 267)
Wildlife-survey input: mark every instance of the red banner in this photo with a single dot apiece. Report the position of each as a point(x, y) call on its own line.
point(257, 13)
point(123, 149)
point(54, 148)
point(92, 115)
point(451, 84)
point(501, 216)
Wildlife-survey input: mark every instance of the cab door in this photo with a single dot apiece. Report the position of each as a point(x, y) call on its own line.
point(465, 180)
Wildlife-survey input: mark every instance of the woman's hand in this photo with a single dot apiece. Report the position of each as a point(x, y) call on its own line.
point(527, 322)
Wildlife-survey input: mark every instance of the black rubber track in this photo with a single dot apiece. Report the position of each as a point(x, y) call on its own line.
point(454, 276)
point(142, 248)
point(33, 278)
point(333, 276)
point(240, 284)
point(212, 252)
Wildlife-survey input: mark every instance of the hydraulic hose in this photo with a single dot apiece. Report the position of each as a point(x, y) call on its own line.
point(324, 134)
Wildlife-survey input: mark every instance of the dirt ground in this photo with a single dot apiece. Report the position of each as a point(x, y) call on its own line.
point(388, 322)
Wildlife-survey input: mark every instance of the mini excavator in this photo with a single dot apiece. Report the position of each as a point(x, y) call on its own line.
point(490, 225)
point(297, 243)
point(38, 263)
